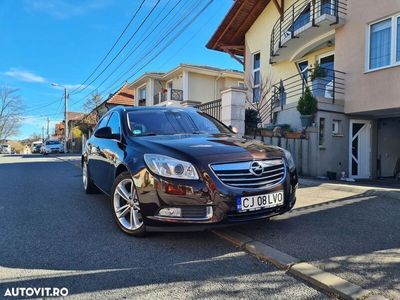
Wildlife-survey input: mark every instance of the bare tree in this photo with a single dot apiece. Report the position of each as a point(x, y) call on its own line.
point(92, 105)
point(260, 98)
point(11, 110)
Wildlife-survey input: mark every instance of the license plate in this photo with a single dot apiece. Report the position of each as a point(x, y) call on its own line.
point(260, 201)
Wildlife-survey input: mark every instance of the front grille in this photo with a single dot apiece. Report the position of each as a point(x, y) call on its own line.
point(194, 212)
point(238, 174)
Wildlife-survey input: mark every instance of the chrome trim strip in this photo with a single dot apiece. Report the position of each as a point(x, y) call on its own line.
point(252, 179)
point(209, 215)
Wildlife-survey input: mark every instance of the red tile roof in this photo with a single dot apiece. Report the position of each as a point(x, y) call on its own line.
point(230, 34)
point(124, 96)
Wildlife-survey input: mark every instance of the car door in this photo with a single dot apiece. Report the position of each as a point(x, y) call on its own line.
point(114, 150)
point(95, 154)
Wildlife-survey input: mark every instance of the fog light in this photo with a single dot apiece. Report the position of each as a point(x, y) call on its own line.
point(170, 212)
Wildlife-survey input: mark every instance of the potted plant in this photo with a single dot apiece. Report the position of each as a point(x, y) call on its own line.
point(307, 107)
point(317, 76)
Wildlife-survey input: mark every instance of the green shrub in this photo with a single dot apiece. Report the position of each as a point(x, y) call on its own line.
point(307, 104)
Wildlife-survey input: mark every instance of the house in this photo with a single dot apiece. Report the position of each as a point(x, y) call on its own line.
point(185, 85)
point(346, 53)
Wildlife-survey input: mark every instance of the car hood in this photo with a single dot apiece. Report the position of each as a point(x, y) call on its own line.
point(213, 148)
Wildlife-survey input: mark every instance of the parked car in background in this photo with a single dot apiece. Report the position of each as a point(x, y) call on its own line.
point(52, 146)
point(186, 171)
point(6, 149)
point(36, 147)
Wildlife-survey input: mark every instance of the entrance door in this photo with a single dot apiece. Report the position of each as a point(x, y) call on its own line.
point(360, 149)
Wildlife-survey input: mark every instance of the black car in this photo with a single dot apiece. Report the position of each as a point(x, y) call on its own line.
point(169, 169)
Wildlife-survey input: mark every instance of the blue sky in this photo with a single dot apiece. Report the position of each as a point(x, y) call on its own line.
point(45, 41)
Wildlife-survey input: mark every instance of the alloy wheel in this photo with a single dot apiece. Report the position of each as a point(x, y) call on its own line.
point(126, 205)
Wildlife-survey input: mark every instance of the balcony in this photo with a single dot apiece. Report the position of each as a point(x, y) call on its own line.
point(305, 26)
point(168, 94)
point(328, 88)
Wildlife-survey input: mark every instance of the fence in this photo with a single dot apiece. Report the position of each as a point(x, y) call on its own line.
point(304, 151)
point(213, 108)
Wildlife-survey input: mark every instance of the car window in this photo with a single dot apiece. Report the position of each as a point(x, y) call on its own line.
point(142, 122)
point(103, 122)
point(114, 123)
point(52, 143)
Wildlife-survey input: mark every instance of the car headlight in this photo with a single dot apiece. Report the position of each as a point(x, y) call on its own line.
point(170, 167)
point(289, 160)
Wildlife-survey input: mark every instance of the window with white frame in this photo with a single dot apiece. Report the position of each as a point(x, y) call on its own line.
point(384, 43)
point(142, 93)
point(256, 77)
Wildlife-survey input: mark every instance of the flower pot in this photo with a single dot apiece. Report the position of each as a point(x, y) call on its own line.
point(266, 133)
point(293, 135)
point(306, 120)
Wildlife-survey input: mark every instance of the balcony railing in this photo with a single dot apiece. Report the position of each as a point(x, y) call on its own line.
point(303, 15)
point(330, 87)
point(168, 95)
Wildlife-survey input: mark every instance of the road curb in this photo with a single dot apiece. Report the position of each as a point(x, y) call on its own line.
point(387, 192)
point(76, 164)
point(316, 278)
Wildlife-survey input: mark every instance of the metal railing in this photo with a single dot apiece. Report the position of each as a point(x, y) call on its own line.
point(212, 108)
point(330, 87)
point(176, 95)
point(301, 13)
point(158, 98)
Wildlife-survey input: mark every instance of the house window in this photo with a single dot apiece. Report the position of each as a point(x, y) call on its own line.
point(241, 84)
point(321, 131)
point(384, 46)
point(336, 127)
point(142, 93)
point(256, 77)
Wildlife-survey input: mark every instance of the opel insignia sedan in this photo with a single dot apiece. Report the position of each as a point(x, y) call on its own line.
point(175, 169)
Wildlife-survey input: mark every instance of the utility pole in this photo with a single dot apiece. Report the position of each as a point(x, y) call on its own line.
point(48, 123)
point(66, 120)
point(42, 133)
point(65, 115)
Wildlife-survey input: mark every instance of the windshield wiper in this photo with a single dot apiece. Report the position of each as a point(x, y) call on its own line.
point(146, 134)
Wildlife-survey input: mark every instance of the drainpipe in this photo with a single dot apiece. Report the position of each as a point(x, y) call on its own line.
point(215, 85)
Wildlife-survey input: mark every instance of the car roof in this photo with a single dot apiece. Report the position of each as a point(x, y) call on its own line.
point(152, 108)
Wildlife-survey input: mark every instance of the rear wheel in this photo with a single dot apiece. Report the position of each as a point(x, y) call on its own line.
point(88, 185)
point(125, 206)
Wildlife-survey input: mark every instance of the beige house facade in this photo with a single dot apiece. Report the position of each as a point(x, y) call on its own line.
point(185, 85)
point(346, 52)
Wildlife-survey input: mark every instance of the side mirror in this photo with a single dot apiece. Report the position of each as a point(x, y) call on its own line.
point(104, 133)
point(234, 129)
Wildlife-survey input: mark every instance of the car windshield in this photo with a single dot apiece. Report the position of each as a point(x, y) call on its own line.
point(176, 121)
point(52, 143)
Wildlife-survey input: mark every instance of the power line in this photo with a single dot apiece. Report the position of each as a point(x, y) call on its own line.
point(123, 47)
point(111, 49)
point(150, 47)
point(168, 43)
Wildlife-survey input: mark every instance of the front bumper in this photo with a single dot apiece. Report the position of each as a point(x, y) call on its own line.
point(153, 193)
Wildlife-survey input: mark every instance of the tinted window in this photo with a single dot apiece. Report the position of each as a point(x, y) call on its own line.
point(52, 142)
point(103, 122)
point(114, 123)
point(165, 122)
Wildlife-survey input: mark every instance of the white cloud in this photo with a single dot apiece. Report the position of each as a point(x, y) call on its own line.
point(24, 75)
point(62, 9)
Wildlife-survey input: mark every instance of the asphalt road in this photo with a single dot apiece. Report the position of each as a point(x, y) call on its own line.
point(54, 235)
point(355, 236)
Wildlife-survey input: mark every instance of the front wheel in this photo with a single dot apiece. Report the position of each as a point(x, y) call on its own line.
point(125, 206)
point(88, 185)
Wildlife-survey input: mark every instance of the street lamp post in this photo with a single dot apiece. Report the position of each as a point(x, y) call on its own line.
point(65, 115)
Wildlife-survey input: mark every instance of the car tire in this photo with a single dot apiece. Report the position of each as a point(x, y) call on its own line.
point(88, 186)
point(134, 226)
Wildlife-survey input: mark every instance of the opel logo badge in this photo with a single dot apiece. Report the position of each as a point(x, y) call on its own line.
point(256, 168)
